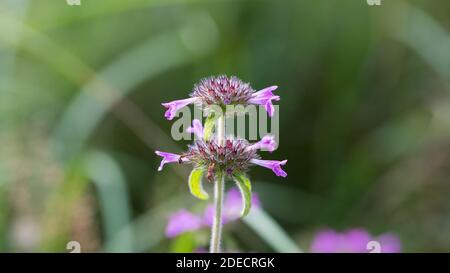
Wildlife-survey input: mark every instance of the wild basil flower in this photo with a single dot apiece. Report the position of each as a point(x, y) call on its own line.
point(274, 165)
point(213, 157)
point(222, 91)
point(236, 156)
point(219, 157)
point(169, 158)
point(233, 159)
point(185, 221)
point(267, 143)
point(353, 241)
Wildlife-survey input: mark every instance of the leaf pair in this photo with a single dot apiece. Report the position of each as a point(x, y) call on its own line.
point(242, 181)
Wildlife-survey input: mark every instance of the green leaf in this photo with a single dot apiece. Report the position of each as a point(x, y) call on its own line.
point(271, 232)
point(245, 187)
point(209, 126)
point(195, 184)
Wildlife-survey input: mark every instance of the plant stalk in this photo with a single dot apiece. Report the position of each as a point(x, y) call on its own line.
point(216, 230)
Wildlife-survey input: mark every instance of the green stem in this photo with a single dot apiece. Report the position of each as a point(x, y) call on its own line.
point(216, 230)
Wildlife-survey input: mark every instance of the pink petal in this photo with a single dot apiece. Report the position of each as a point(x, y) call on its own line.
point(174, 106)
point(196, 128)
point(274, 165)
point(168, 158)
point(267, 143)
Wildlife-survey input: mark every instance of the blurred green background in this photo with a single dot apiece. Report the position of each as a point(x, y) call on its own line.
point(364, 118)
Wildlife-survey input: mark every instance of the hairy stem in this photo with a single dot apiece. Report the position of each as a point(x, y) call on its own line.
point(216, 231)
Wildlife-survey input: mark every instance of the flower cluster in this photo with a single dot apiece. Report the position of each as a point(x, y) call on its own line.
point(185, 221)
point(222, 91)
point(231, 157)
point(236, 155)
point(353, 241)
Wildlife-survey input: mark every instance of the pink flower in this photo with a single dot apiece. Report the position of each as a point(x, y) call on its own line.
point(390, 243)
point(274, 165)
point(223, 90)
point(182, 221)
point(352, 241)
point(267, 143)
point(264, 97)
point(174, 106)
point(169, 158)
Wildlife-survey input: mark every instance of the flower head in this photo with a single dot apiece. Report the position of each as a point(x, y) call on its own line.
point(353, 241)
point(231, 157)
point(237, 155)
point(223, 90)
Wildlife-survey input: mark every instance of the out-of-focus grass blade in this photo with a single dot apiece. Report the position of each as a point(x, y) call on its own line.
point(110, 186)
point(279, 199)
point(7, 61)
point(93, 10)
point(4, 206)
point(148, 229)
point(269, 230)
point(8, 56)
point(397, 139)
point(115, 81)
point(113, 197)
point(57, 219)
point(143, 62)
point(428, 39)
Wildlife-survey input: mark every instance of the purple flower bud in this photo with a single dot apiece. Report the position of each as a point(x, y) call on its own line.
point(169, 158)
point(275, 165)
point(174, 106)
point(267, 143)
point(182, 221)
point(196, 128)
point(265, 97)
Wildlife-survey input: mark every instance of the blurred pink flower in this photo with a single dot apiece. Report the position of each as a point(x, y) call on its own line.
point(353, 241)
point(184, 221)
